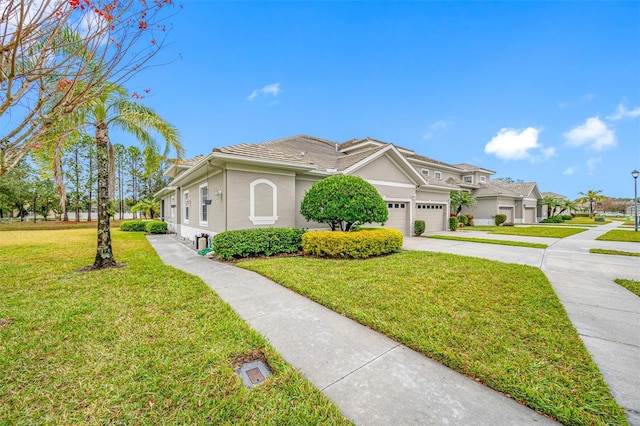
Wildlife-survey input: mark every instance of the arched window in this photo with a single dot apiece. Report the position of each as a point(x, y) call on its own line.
point(263, 202)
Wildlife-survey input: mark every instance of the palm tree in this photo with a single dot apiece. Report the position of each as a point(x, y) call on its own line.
point(114, 108)
point(592, 197)
point(147, 207)
point(551, 203)
point(567, 205)
point(460, 199)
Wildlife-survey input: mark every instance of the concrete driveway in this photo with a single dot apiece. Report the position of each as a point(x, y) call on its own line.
point(606, 315)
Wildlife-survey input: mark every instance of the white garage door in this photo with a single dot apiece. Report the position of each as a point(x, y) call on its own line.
point(507, 211)
point(529, 215)
point(433, 216)
point(397, 216)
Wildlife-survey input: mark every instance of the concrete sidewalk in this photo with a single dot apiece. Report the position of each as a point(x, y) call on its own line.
point(606, 315)
point(372, 379)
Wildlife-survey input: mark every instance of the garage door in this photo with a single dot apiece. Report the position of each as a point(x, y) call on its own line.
point(529, 215)
point(433, 216)
point(397, 216)
point(507, 211)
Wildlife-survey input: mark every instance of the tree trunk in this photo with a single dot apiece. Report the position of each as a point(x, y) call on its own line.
point(104, 255)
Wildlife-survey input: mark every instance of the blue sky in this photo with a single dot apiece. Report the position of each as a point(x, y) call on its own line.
point(538, 91)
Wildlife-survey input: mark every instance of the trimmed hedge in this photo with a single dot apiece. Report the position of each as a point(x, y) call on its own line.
point(552, 219)
point(500, 219)
point(241, 243)
point(357, 245)
point(418, 227)
point(133, 226)
point(453, 223)
point(157, 227)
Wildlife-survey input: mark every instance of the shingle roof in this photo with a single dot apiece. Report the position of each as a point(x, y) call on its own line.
point(492, 189)
point(471, 167)
point(553, 195)
point(521, 188)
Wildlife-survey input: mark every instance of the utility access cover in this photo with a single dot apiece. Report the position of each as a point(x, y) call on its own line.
point(253, 373)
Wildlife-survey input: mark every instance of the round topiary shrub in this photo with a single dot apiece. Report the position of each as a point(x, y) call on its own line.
point(500, 219)
point(342, 202)
point(418, 227)
point(453, 223)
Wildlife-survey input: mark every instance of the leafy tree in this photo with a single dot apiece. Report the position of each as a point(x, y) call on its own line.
point(115, 108)
point(592, 197)
point(44, 198)
point(147, 207)
point(56, 56)
point(567, 205)
point(342, 202)
point(460, 199)
point(14, 190)
point(551, 203)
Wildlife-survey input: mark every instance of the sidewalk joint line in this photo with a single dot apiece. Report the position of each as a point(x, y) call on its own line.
point(611, 341)
point(362, 366)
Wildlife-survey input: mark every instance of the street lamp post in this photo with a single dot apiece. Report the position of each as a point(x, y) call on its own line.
point(635, 174)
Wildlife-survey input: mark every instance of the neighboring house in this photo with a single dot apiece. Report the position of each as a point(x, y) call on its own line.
point(262, 185)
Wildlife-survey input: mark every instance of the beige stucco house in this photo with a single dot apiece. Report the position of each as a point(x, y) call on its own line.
point(262, 185)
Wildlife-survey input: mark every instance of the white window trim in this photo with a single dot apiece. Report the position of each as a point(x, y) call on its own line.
point(263, 220)
point(186, 210)
point(203, 222)
point(425, 172)
point(483, 179)
point(467, 176)
point(438, 175)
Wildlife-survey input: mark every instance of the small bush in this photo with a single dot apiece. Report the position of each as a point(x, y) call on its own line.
point(133, 226)
point(552, 219)
point(453, 223)
point(358, 245)
point(566, 217)
point(500, 219)
point(464, 219)
point(470, 217)
point(243, 243)
point(156, 227)
point(418, 227)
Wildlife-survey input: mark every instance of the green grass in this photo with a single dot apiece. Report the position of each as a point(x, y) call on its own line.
point(586, 221)
point(621, 235)
point(143, 344)
point(614, 252)
point(489, 241)
point(50, 225)
point(631, 285)
point(528, 231)
point(501, 324)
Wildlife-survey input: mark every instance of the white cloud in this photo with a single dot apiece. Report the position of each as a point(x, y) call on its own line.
point(434, 127)
point(594, 134)
point(622, 112)
point(269, 89)
point(591, 164)
point(569, 171)
point(513, 144)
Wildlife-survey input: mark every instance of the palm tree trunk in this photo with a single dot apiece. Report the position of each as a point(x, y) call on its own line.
point(104, 254)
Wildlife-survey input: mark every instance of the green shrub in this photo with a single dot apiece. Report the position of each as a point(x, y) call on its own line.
point(464, 219)
point(358, 245)
point(500, 219)
point(156, 227)
point(342, 202)
point(453, 223)
point(133, 226)
point(418, 227)
point(566, 217)
point(243, 243)
point(552, 219)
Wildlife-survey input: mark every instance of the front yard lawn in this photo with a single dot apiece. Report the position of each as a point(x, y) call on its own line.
point(499, 323)
point(631, 285)
point(488, 241)
point(528, 231)
point(143, 344)
point(621, 235)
